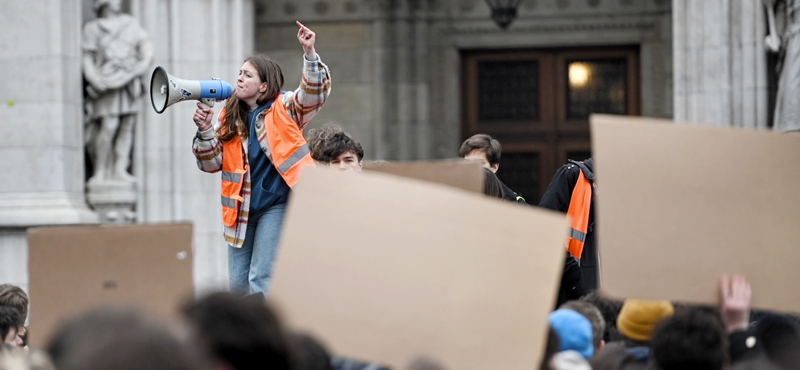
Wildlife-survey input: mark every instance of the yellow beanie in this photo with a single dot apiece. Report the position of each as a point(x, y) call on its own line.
point(638, 317)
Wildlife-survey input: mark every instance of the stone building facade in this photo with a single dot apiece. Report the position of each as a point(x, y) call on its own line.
point(411, 80)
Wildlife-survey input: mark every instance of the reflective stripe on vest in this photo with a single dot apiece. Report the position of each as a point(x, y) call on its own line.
point(288, 153)
point(293, 159)
point(579, 206)
point(287, 146)
point(231, 176)
point(233, 170)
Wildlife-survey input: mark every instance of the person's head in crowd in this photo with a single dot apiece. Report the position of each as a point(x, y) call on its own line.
point(13, 296)
point(756, 363)
point(779, 336)
point(569, 360)
point(331, 145)
point(615, 357)
point(552, 347)
point(609, 308)
point(592, 313)
point(240, 333)
point(40, 360)
point(307, 353)
point(691, 339)
point(10, 361)
point(16, 298)
point(491, 185)
point(482, 148)
point(120, 339)
point(10, 324)
point(638, 317)
point(574, 331)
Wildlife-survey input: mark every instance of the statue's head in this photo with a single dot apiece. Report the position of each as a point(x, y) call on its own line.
point(115, 5)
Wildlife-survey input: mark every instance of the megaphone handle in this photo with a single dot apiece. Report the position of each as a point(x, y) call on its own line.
point(209, 102)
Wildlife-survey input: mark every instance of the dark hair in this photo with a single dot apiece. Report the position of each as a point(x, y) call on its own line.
point(484, 142)
point(592, 313)
point(122, 339)
point(9, 319)
point(307, 353)
point(241, 331)
point(234, 120)
point(756, 363)
point(552, 347)
point(689, 340)
point(609, 308)
point(779, 335)
point(330, 141)
point(491, 184)
point(13, 296)
point(615, 356)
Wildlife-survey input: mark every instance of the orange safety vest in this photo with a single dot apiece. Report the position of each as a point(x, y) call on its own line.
point(288, 153)
point(579, 206)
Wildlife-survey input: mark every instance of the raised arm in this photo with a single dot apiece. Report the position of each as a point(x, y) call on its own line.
point(315, 85)
point(773, 40)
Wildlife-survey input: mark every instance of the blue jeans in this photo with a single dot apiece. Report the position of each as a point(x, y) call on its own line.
point(249, 267)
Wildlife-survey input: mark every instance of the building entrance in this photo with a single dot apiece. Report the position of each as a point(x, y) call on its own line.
point(537, 102)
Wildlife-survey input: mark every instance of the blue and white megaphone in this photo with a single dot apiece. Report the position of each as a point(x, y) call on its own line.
point(166, 89)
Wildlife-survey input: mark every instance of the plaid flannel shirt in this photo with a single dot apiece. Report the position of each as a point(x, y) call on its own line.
point(301, 105)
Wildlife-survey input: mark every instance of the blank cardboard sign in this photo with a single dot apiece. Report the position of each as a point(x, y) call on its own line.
point(75, 268)
point(467, 175)
point(679, 205)
point(385, 268)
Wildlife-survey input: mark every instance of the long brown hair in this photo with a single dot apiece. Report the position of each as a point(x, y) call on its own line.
point(234, 121)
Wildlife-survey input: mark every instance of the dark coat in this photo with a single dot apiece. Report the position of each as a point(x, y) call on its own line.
point(557, 197)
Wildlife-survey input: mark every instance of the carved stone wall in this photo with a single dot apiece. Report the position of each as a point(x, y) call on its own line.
point(720, 63)
point(41, 106)
point(396, 63)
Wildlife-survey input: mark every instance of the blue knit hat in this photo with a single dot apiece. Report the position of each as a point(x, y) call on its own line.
point(574, 331)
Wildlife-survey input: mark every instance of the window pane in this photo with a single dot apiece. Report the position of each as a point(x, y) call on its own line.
point(521, 172)
point(596, 86)
point(508, 91)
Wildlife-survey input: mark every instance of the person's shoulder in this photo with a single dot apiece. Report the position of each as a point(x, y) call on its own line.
point(511, 194)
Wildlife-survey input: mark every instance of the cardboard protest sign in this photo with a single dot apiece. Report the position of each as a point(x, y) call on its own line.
point(467, 175)
point(75, 268)
point(678, 205)
point(385, 268)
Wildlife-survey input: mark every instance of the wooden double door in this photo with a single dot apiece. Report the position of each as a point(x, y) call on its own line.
point(537, 104)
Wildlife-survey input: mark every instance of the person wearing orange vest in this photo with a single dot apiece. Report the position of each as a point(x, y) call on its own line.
point(257, 143)
point(572, 191)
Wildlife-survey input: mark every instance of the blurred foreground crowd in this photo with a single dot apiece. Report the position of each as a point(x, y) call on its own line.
point(222, 331)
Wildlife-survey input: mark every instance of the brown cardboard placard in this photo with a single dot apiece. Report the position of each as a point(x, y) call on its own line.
point(467, 175)
point(385, 268)
point(678, 205)
point(75, 268)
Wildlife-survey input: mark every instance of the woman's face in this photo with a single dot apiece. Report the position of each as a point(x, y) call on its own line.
point(249, 86)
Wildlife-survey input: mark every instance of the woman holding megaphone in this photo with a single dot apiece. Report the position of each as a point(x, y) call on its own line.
point(257, 143)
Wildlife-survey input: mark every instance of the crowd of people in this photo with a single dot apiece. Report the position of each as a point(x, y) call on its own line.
point(230, 331)
point(259, 145)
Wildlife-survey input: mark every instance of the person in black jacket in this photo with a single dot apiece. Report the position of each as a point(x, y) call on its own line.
point(557, 197)
point(486, 150)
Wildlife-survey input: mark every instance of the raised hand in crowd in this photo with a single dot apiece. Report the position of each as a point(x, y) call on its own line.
point(735, 302)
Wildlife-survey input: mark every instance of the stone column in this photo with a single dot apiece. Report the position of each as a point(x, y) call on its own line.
point(193, 39)
point(42, 141)
point(720, 64)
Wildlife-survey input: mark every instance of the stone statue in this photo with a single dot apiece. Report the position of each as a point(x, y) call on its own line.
point(117, 54)
point(783, 18)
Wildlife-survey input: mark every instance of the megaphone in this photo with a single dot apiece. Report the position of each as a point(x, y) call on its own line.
point(166, 89)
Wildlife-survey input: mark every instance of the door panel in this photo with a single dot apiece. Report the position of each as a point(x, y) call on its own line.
point(537, 103)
